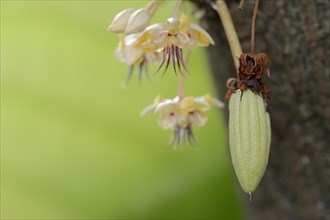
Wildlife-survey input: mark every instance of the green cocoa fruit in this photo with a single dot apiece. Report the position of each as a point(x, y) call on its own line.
point(249, 138)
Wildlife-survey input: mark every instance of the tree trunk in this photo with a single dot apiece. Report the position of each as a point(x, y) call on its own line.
point(295, 35)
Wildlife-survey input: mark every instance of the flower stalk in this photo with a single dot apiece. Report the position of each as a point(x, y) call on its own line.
point(153, 6)
point(255, 11)
point(181, 87)
point(228, 25)
point(176, 8)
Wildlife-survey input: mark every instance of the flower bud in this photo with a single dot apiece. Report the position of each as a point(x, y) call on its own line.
point(249, 138)
point(138, 21)
point(120, 21)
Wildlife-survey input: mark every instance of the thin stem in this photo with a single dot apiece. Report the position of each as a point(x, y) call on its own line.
point(176, 8)
point(153, 6)
point(255, 11)
point(181, 87)
point(181, 80)
point(227, 23)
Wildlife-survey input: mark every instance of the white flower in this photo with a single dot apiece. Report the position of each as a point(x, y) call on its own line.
point(172, 37)
point(182, 114)
point(135, 56)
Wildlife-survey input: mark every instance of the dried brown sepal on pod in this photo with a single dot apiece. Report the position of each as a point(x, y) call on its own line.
point(252, 67)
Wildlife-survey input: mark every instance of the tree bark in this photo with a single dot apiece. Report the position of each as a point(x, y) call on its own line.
point(295, 34)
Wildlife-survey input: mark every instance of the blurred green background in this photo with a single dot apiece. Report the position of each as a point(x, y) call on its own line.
point(72, 142)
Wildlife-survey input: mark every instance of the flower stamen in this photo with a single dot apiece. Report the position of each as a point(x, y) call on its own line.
point(180, 136)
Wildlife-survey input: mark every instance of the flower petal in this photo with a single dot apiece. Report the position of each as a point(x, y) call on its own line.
point(187, 105)
point(120, 54)
point(161, 38)
point(213, 101)
point(167, 120)
point(184, 23)
point(148, 109)
point(152, 57)
point(206, 102)
point(130, 40)
point(183, 40)
point(133, 55)
point(149, 33)
point(182, 120)
point(168, 105)
point(151, 107)
point(203, 100)
point(197, 118)
point(138, 21)
point(202, 37)
point(120, 21)
point(155, 28)
point(217, 103)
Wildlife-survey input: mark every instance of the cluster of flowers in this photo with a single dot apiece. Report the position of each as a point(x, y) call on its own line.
point(162, 43)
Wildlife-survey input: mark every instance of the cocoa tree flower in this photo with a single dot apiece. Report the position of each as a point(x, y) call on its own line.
point(181, 115)
point(172, 37)
point(136, 56)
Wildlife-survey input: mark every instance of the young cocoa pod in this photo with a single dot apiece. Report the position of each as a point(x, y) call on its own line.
point(249, 138)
